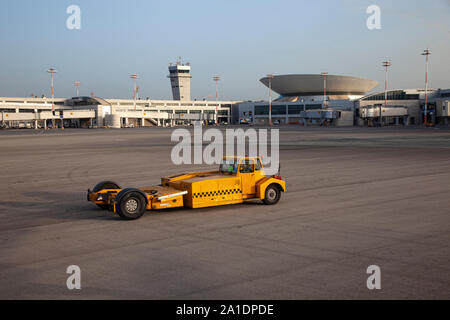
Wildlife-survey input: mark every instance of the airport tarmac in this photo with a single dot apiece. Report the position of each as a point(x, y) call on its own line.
point(355, 197)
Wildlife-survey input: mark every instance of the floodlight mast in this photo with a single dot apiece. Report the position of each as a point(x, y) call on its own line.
point(134, 77)
point(386, 64)
point(426, 53)
point(52, 71)
point(217, 79)
point(270, 77)
point(324, 74)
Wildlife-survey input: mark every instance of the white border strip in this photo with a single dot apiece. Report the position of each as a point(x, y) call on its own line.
point(172, 195)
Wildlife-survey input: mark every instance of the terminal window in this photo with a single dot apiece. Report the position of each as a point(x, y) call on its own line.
point(264, 110)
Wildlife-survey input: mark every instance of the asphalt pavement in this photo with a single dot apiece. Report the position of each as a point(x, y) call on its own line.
point(355, 197)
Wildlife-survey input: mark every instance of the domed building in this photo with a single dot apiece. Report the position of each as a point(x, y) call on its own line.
point(302, 96)
point(295, 87)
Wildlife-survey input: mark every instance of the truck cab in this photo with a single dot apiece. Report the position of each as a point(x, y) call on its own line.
point(238, 179)
point(248, 169)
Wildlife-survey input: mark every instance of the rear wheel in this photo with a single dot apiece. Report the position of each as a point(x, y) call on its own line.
point(131, 205)
point(105, 185)
point(272, 194)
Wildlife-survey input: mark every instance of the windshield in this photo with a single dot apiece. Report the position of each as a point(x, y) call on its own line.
point(229, 166)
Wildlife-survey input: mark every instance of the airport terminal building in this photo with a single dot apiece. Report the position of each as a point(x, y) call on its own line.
point(302, 100)
point(115, 113)
point(404, 107)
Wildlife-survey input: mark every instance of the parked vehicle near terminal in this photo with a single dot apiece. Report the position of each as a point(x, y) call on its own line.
point(239, 179)
point(245, 121)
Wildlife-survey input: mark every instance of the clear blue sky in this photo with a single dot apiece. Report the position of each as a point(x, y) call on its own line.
point(241, 41)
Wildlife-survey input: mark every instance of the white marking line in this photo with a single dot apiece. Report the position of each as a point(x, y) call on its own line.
point(172, 195)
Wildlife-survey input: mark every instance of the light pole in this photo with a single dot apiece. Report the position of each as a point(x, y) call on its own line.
point(52, 71)
point(270, 77)
point(324, 74)
point(386, 64)
point(304, 111)
point(217, 79)
point(77, 84)
point(426, 53)
point(134, 76)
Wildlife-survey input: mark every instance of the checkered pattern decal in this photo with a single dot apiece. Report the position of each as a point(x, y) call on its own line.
point(216, 193)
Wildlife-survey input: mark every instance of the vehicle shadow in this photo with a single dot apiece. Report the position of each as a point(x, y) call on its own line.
point(110, 215)
point(62, 205)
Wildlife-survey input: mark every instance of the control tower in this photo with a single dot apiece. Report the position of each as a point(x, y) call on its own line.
point(180, 80)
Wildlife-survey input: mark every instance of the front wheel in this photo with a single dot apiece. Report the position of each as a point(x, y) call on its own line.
point(131, 206)
point(272, 194)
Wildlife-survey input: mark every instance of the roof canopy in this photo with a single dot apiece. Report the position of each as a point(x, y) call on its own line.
point(312, 84)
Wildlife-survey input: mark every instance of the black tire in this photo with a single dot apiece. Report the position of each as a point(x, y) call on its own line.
point(105, 185)
point(272, 194)
point(131, 205)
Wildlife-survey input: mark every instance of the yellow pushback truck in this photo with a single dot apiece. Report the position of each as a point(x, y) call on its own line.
point(238, 179)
